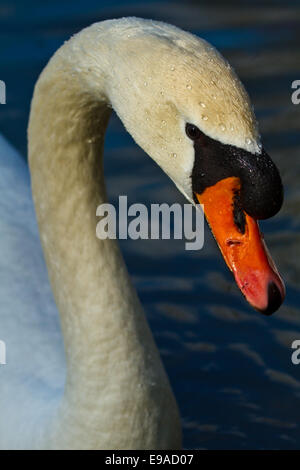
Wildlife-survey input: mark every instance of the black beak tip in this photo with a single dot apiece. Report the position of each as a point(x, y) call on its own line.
point(275, 299)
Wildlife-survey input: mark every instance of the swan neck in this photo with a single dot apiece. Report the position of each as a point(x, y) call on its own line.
point(113, 366)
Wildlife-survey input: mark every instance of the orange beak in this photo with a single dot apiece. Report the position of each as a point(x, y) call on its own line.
point(242, 246)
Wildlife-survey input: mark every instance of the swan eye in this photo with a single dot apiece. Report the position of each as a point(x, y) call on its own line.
point(192, 131)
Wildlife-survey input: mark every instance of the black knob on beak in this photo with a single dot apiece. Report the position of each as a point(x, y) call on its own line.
point(261, 189)
point(261, 192)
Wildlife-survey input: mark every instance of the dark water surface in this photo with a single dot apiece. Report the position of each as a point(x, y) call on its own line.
point(230, 367)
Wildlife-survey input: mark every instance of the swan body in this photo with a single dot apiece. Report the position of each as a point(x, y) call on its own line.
point(96, 381)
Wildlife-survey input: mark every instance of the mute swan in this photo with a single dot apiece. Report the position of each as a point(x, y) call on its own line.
point(184, 105)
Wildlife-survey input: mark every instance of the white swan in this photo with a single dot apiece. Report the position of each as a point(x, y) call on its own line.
point(179, 99)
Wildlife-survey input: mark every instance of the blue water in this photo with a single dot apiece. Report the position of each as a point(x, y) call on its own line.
point(230, 367)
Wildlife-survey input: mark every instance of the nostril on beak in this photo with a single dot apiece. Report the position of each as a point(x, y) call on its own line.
point(275, 299)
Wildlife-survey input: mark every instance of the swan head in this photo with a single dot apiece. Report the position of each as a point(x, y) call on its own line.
point(185, 106)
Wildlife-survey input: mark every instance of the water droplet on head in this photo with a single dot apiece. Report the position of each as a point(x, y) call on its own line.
point(214, 97)
point(172, 68)
point(162, 93)
point(145, 83)
point(203, 105)
point(248, 141)
point(163, 123)
point(189, 87)
point(174, 155)
point(204, 117)
point(222, 127)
